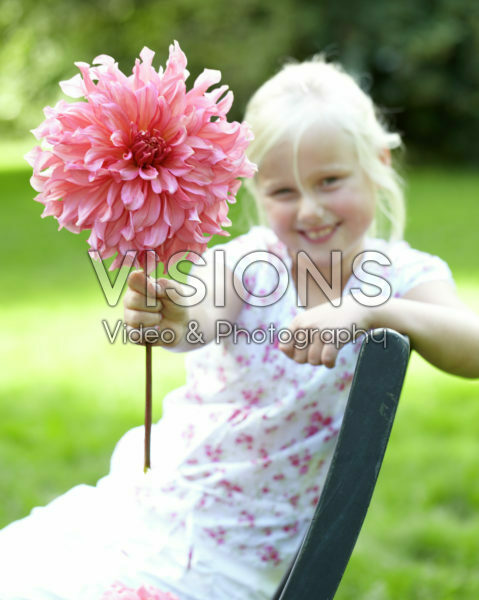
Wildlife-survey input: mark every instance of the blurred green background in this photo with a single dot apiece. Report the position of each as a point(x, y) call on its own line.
point(420, 59)
point(67, 394)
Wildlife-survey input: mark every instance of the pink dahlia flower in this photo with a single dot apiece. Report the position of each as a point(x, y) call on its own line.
point(139, 160)
point(118, 591)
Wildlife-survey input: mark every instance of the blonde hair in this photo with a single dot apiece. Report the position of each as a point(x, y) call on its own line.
point(304, 93)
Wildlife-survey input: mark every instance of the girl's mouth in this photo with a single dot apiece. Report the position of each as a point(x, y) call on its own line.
point(319, 235)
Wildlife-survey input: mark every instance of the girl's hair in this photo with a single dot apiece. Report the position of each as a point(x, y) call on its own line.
point(313, 91)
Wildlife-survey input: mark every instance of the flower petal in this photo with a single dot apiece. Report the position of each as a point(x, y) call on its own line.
point(73, 87)
point(148, 173)
point(130, 172)
point(168, 182)
point(147, 102)
point(132, 195)
point(205, 80)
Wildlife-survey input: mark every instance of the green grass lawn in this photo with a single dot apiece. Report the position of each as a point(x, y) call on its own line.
point(67, 395)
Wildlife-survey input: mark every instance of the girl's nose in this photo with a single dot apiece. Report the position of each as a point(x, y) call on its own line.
point(310, 208)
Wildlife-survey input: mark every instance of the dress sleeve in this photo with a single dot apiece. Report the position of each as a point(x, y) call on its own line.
point(413, 267)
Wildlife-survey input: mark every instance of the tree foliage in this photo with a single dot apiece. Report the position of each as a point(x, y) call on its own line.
point(419, 59)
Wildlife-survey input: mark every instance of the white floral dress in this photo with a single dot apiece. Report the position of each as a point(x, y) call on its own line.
point(239, 461)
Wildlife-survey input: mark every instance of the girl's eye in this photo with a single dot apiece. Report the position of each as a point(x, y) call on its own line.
point(329, 181)
point(282, 192)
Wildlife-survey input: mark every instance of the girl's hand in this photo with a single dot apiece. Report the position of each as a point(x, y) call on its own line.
point(321, 331)
point(149, 311)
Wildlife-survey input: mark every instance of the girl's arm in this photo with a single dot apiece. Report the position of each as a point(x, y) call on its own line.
point(440, 327)
point(160, 304)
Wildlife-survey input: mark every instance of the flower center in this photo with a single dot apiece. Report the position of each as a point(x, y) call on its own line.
point(149, 149)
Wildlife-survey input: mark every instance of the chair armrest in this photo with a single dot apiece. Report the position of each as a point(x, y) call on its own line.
point(321, 560)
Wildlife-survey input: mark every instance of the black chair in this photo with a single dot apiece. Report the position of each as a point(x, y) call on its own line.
point(317, 569)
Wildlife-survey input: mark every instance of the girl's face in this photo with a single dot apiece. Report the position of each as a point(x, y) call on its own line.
point(327, 204)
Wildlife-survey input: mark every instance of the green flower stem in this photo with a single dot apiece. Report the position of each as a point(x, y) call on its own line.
point(148, 408)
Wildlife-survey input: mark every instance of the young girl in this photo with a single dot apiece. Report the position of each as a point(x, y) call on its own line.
point(242, 451)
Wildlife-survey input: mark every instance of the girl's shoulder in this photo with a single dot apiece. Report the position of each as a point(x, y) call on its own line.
point(407, 267)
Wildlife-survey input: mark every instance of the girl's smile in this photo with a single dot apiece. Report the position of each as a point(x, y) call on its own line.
point(319, 235)
point(316, 196)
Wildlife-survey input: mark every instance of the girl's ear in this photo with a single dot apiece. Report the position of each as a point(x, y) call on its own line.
point(385, 156)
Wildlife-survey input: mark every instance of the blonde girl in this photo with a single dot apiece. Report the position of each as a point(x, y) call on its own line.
point(241, 453)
